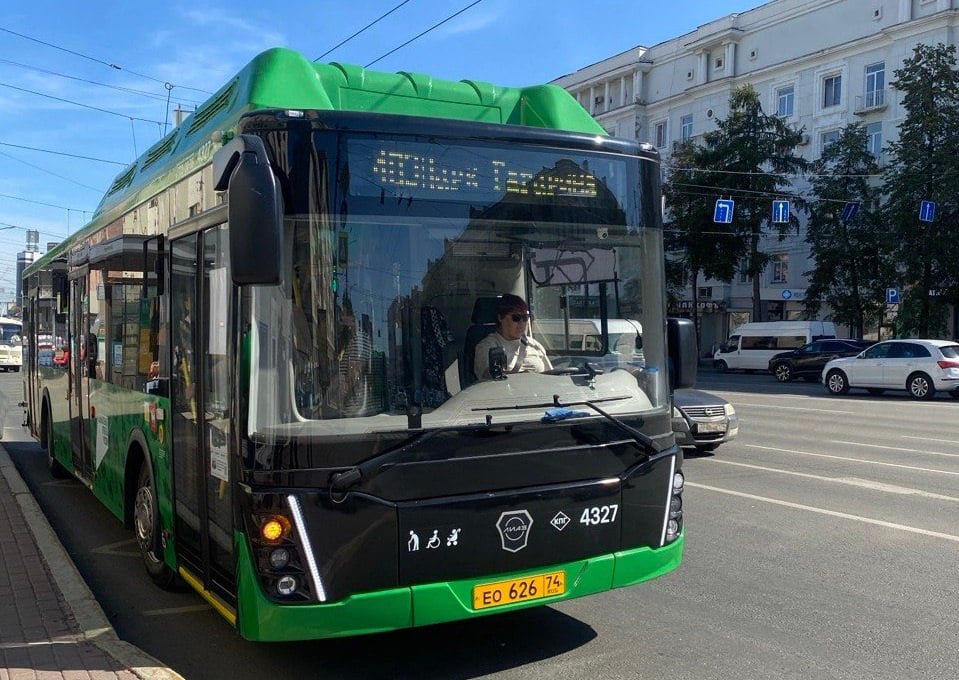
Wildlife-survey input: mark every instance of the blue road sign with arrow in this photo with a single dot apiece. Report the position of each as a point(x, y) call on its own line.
point(723, 214)
point(780, 212)
point(927, 211)
point(850, 210)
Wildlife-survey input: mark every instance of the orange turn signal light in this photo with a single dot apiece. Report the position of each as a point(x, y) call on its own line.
point(274, 528)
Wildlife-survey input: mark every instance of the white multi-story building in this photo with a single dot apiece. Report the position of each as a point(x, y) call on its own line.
point(820, 64)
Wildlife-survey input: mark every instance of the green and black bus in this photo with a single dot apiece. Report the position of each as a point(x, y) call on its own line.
point(259, 353)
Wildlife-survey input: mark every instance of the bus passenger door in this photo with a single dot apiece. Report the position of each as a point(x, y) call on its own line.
point(202, 343)
point(82, 358)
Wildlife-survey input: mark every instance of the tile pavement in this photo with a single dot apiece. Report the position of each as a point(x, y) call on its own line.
point(51, 626)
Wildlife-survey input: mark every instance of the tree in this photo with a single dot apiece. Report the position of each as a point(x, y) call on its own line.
point(926, 167)
point(696, 244)
point(851, 257)
point(752, 159)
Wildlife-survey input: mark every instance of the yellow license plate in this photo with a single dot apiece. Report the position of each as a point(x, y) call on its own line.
point(519, 590)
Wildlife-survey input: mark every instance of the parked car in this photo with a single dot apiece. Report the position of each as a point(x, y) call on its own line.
point(921, 367)
point(703, 420)
point(808, 361)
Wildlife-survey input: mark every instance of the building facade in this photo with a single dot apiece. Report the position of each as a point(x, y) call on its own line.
point(819, 64)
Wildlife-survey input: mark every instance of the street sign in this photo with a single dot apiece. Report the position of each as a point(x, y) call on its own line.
point(892, 296)
point(927, 211)
point(723, 214)
point(850, 210)
point(787, 294)
point(780, 212)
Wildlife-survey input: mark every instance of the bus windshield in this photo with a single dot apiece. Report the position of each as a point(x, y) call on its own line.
point(397, 259)
point(10, 333)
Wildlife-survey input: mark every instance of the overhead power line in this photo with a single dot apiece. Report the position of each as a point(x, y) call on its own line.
point(49, 205)
point(63, 153)
point(142, 93)
point(50, 172)
point(86, 106)
point(420, 35)
point(369, 25)
point(96, 60)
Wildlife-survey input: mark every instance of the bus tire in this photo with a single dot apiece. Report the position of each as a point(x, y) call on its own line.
point(146, 527)
point(57, 471)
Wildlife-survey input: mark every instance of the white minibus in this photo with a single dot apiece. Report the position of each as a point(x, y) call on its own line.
point(752, 345)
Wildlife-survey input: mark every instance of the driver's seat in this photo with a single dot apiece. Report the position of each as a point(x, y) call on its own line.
point(483, 323)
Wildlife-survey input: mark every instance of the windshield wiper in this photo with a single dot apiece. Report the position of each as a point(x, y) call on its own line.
point(644, 441)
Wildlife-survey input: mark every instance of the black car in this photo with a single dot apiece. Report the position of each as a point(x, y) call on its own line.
point(808, 361)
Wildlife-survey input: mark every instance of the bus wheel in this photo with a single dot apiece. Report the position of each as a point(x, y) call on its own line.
point(57, 471)
point(146, 526)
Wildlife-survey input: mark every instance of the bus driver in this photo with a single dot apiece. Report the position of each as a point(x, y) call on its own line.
point(523, 353)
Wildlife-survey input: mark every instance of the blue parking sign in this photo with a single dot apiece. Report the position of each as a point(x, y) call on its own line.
point(892, 296)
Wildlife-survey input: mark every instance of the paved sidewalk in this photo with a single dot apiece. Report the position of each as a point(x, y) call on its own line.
point(51, 626)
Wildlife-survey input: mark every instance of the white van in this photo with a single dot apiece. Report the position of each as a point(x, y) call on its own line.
point(585, 336)
point(752, 345)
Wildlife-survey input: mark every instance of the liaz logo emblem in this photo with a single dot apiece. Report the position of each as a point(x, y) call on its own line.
point(514, 529)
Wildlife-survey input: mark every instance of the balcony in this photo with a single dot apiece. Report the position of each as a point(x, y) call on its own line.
point(870, 102)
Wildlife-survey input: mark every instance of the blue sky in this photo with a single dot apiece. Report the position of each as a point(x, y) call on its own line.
point(68, 97)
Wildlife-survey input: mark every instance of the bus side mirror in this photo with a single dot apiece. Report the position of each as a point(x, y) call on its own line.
point(254, 209)
point(682, 352)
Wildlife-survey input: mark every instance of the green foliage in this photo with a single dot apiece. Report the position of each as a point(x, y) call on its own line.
point(852, 265)
point(748, 157)
point(926, 168)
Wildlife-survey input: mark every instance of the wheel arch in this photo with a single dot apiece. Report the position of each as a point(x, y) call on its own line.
point(138, 453)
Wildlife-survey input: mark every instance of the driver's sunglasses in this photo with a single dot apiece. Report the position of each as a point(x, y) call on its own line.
point(519, 317)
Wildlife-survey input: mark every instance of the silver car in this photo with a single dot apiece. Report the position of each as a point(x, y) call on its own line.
point(920, 367)
point(703, 420)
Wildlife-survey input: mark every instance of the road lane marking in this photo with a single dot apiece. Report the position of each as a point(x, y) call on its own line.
point(930, 439)
point(897, 448)
point(854, 460)
point(830, 513)
point(851, 481)
point(178, 610)
point(737, 404)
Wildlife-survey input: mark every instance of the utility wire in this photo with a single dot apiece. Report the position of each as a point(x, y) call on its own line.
point(96, 60)
point(63, 153)
point(119, 88)
point(49, 205)
point(369, 25)
point(49, 172)
point(417, 37)
point(86, 106)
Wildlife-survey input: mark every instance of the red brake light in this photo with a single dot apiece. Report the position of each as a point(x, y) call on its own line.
point(948, 363)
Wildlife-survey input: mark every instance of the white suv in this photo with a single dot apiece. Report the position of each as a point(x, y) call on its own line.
point(921, 367)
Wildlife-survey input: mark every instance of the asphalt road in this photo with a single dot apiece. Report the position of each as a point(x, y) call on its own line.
point(822, 543)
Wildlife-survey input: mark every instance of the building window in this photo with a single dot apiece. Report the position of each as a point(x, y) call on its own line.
point(875, 85)
point(831, 91)
point(780, 268)
point(744, 271)
point(687, 127)
point(828, 138)
point(785, 96)
point(874, 139)
point(662, 134)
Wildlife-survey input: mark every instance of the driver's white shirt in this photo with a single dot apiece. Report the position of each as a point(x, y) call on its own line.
point(520, 356)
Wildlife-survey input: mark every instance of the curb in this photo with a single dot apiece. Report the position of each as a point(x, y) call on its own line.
point(93, 623)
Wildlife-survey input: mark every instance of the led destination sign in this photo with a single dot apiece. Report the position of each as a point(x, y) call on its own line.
point(461, 173)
